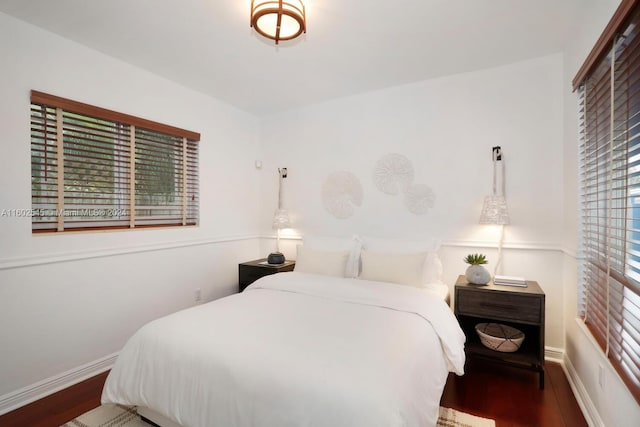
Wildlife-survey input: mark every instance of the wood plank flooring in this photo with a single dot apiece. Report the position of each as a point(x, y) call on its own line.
point(59, 408)
point(510, 396)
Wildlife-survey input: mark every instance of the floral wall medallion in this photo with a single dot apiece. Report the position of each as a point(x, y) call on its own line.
point(393, 173)
point(419, 198)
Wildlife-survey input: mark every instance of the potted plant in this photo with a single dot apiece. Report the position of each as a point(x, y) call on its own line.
point(476, 273)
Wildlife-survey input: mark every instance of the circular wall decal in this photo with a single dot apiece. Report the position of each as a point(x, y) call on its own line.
point(419, 198)
point(341, 191)
point(393, 173)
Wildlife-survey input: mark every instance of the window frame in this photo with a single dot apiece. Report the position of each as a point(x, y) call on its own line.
point(110, 150)
point(609, 148)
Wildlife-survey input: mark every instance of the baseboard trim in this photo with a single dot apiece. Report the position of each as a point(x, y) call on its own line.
point(44, 388)
point(585, 403)
point(553, 354)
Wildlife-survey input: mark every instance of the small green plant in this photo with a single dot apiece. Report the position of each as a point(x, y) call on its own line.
point(475, 259)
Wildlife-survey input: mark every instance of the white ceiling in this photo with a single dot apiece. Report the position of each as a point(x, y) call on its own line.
point(350, 46)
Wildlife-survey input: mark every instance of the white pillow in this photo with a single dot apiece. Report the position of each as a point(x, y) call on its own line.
point(432, 268)
point(404, 269)
point(432, 272)
point(400, 245)
point(321, 262)
point(332, 244)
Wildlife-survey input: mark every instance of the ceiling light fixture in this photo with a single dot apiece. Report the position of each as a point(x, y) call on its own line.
point(278, 19)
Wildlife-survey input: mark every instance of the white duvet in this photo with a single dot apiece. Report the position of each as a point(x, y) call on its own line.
point(295, 349)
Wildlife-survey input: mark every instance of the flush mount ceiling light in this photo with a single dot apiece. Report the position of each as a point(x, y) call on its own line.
point(278, 19)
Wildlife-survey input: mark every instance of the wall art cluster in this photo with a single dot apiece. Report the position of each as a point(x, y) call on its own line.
point(393, 174)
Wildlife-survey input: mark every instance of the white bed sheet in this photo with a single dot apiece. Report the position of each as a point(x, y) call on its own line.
point(295, 349)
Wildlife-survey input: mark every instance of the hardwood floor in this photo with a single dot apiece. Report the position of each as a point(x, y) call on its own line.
point(59, 408)
point(510, 396)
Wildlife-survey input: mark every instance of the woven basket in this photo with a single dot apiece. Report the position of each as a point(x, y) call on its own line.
point(500, 337)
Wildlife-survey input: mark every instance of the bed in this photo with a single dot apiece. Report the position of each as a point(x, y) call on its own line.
point(295, 349)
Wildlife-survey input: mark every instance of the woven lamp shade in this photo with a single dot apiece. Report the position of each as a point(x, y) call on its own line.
point(494, 211)
point(281, 219)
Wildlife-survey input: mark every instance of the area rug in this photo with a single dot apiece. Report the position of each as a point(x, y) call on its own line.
point(125, 416)
point(108, 416)
point(452, 418)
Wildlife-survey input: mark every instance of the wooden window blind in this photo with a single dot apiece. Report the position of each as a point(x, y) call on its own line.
point(93, 168)
point(609, 116)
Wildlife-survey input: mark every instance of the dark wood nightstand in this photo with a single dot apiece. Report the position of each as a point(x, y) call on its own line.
point(249, 272)
point(519, 307)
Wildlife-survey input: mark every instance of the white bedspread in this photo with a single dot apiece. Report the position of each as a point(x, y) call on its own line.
point(295, 349)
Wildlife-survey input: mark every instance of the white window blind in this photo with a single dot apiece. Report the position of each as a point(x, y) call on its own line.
point(609, 115)
point(93, 168)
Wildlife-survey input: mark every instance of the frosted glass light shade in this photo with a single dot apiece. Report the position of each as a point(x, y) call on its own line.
point(494, 211)
point(281, 219)
point(265, 15)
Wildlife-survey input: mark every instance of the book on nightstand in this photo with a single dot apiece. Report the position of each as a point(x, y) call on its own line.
point(510, 281)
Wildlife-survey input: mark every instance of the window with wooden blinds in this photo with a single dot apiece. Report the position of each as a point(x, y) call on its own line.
point(609, 116)
point(93, 168)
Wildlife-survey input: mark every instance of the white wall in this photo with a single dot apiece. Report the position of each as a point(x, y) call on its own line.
point(447, 127)
point(68, 300)
point(610, 404)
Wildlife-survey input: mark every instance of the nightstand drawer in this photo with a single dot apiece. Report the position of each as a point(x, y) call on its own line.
point(506, 306)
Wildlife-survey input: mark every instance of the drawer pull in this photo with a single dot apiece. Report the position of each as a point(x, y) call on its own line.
point(500, 306)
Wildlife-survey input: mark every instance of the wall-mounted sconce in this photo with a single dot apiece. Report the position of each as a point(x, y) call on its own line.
point(280, 220)
point(494, 208)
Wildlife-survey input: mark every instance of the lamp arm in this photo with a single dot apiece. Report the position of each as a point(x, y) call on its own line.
point(282, 173)
point(504, 181)
point(494, 177)
point(500, 242)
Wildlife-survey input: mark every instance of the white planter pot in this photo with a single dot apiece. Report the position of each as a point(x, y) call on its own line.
point(477, 275)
